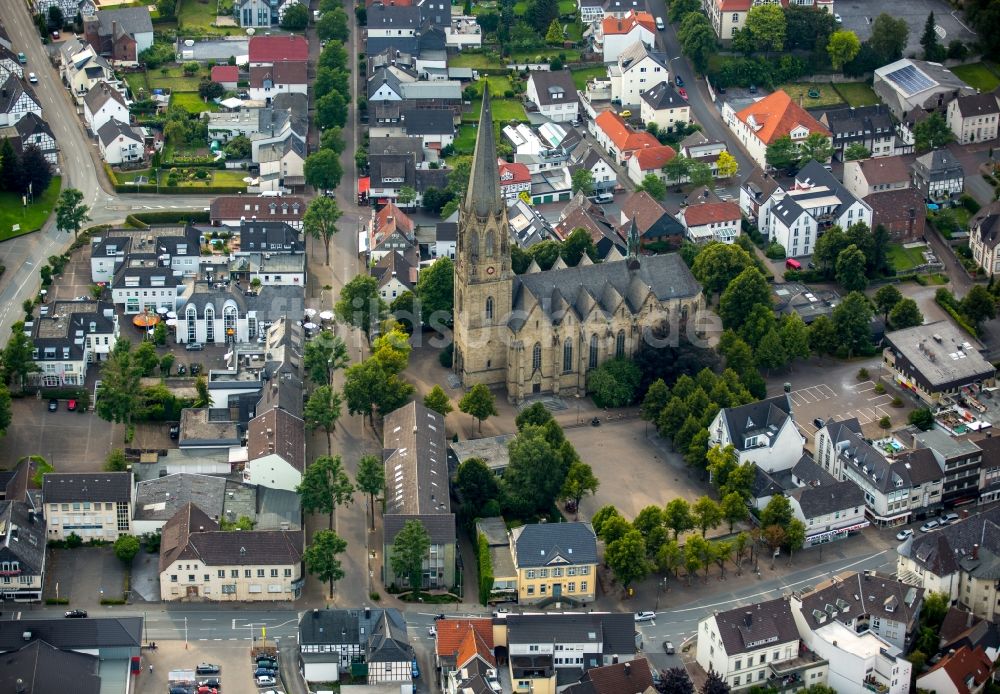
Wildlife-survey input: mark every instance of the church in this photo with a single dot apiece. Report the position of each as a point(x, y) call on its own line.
point(541, 332)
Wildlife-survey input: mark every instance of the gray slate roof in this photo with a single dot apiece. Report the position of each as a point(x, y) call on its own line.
point(824, 500)
point(615, 631)
point(41, 667)
point(850, 595)
point(483, 197)
point(550, 544)
point(551, 84)
point(21, 538)
point(73, 634)
point(744, 629)
point(133, 20)
point(663, 96)
point(162, 497)
point(945, 551)
point(429, 121)
point(756, 418)
point(60, 487)
point(110, 131)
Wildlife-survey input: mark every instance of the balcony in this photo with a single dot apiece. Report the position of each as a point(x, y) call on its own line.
point(789, 675)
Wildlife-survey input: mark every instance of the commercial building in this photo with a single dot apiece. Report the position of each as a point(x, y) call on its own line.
point(91, 505)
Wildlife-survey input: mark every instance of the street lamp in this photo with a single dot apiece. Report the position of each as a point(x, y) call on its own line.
point(660, 587)
point(577, 408)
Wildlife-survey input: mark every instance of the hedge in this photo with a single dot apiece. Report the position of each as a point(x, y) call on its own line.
point(947, 301)
point(485, 570)
point(171, 217)
point(178, 190)
point(135, 223)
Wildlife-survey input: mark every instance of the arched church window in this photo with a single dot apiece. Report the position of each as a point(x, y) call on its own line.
point(568, 355)
point(592, 362)
point(489, 308)
point(620, 344)
point(536, 357)
point(474, 245)
point(490, 243)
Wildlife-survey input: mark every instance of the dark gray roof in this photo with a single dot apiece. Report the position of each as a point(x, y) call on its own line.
point(273, 237)
point(551, 544)
point(429, 121)
point(405, 44)
point(447, 231)
point(787, 210)
point(483, 197)
point(440, 526)
point(393, 17)
point(40, 667)
point(59, 487)
point(415, 451)
point(391, 265)
point(247, 547)
point(73, 634)
point(756, 418)
point(11, 92)
point(807, 472)
point(145, 273)
point(100, 94)
point(553, 86)
point(605, 632)
point(388, 642)
point(67, 320)
point(938, 165)
point(749, 628)
point(945, 551)
point(815, 174)
point(133, 20)
point(606, 285)
point(348, 627)
point(977, 105)
point(162, 497)
point(32, 124)
point(663, 96)
point(851, 595)
point(22, 537)
point(921, 465)
point(826, 499)
point(381, 77)
point(851, 122)
point(110, 131)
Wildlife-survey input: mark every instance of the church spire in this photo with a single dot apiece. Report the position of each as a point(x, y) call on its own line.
point(483, 196)
point(633, 239)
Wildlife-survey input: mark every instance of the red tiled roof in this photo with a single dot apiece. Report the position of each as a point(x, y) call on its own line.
point(225, 73)
point(268, 49)
point(776, 115)
point(282, 72)
point(711, 213)
point(654, 158)
point(473, 644)
point(624, 138)
point(387, 220)
point(518, 173)
point(388, 3)
point(451, 633)
point(235, 207)
point(963, 665)
point(625, 25)
point(643, 208)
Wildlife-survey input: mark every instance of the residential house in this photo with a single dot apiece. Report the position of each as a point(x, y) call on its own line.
point(654, 224)
point(554, 92)
point(871, 127)
point(809, 303)
point(233, 210)
point(434, 126)
point(959, 458)
point(106, 254)
point(728, 16)
point(615, 34)
point(664, 106)
point(393, 26)
point(711, 221)
point(415, 454)
point(748, 645)
point(974, 118)
point(475, 666)
point(331, 641)
point(700, 149)
point(141, 284)
point(459, 642)
point(514, 179)
point(464, 32)
point(762, 432)
point(395, 275)
point(546, 649)
point(22, 551)
point(120, 143)
point(794, 215)
point(899, 212)
point(938, 175)
point(389, 230)
point(958, 560)
point(445, 239)
point(637, 68)
point(277, 124)
point(226, 75)
point(876, 175)
point(527, 225)
point(935, 361)
point(102, 104)
point(596, 162)
point(385, 85)
point(245, 120)
point(555, 562)
point(581, 213)
point(776, 115)
point(198, 561)
point(984, 231)
point(17, 100)
point(618, 138)
point(829, 512)
point(92, 505)
point(282, 164)
point(270, 269)
point(82, 68)
point(70, 337)
point(909, 85)
point(282, 77)
point(755, 192)
point(276, 448)
point(69, 7)
point(961, 628)
point(39, 667)
point(270, 50)
point(120, 34)
point(650, 161)
point(963, 671)
point(32, 131)
point(9, 63)
point(493, 531)
point(633, 677)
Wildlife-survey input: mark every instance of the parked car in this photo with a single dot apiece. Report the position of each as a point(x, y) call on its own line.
point(904, 534)
point(668, 647)
point(949, 519)
point(213, 682)
point(268, 663)
point(645, 616)
point(682, 92)
point(265, 681)
point(928, 526)
point(264, 672)
point(175, 431)
point(75, 614)
point(660, 26)
point(819, 423)
point(195, 369)
point(264, 656)
point(181, 370)
point(625, 114)
point(678, 80)
point(207, 690)
point(207, 669)
point(53, 405)
point(71, 405)
point(431, 631)
point(55, 35)
point(22, 58)
point(194, 346)
point(33, 78)
point(414, 669)
point(837, 18)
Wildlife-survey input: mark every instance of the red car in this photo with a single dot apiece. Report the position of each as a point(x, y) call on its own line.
point(71, 405)
point(683, 93)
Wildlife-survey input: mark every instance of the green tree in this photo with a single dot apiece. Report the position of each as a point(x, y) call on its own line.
point(677, 168)
point(480, 402)
point(626, 557)
point(71, 213)
point(476, 485)
point(747, 290)
point(777, 512)
point(203, 399)
point(727, 165)
point(540, 14)
point(118, 396)
point(554, 35)
point(576, 245)
point(794, 336)
point(331, 109)
point(325, 486)
point(782, 153)
point(852, 319)
point(978, 305)
point(698, 40)
point(767, 25)
point(889, 37)
point(369, 388)
point(718, 264)
point(320, 220)
point(332, 139)
point(614, 529)
point(734, 509)
point(905, 314)
point(795, 536)
point(145, 358)
point(392, 350)
point(438, 401)
point(614, 383)
point(828, 247)
point(321, 557)
point(933, 50)
point(321, 411)
point(435, 289)
point(677, 516)
point(932, 133)
point(679, 9)
point(934, 609)
point(56, 21)
point(409, 549)
point(535, 414)
point(770, 352)
point(370, 479)
point(655, 400)
point(407, 195)
point(855, 151)
point(209, 90)
point(885, 300)
point(323, 355)
point(817, 147)
point(843, 47)
point(126, 547)
point(582, 178)
point(706, 514)
point(116, 461)
point(539, 459)
point(603, 513)
point(322, 168)
point(579, 482)
point(923, 419)
point(700, 174)
point(851, 265)
point(360, 304)
point(652, 184)
point(332, 25)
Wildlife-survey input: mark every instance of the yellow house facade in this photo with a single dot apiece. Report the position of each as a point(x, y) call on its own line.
point(555, 562)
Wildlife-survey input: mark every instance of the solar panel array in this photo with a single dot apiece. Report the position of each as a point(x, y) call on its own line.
point(911, 80)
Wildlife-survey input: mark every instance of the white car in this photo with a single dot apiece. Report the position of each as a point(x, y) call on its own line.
point(928, 526)
point(904, 534)
point(431, 631)
point(837, 18)
point(645, 616)
point(33, 78)
point(266, 681)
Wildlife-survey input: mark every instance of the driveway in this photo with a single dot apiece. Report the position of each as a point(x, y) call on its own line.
point(84, 575)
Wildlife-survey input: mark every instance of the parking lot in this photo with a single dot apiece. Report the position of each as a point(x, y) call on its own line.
point(70, 441)
point(85, 575)
point(233, 658)
point(858, 16)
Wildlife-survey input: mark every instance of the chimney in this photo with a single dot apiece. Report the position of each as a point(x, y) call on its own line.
point(975, 551)
point(748, 618)
point(368, 613)
point(968, 620)
point(628, 669)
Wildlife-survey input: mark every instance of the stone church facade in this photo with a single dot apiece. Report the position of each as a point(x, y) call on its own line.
point(542, 332)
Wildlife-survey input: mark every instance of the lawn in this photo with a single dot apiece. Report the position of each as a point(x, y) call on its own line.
point(192, 102)
point(567, 8)
point(174, 79)
point(799, 91)
point(520, 8)
point(572, 55)
point(504, 110)
point(499, 84)
point(977, 75)
point(857, 94)
point(465, 140)
point(582, 75)
point(477, 61)
point(136, 83)
point(30, 218)
point(904, 259)
point(192, 14)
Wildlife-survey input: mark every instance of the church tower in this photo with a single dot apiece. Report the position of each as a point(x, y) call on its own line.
point(483, 277)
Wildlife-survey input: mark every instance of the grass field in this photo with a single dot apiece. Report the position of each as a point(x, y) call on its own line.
point(30, 218)
point(581, 76)
point(137, 81)
point(465, 139)
point(904, 259)
point(473, 60)
point(216, 178)
point(977, 75)
point(567, 8)
point(857, 94)
point(799, 91)
point(572, 55)
point(193, 14)
point(498, 85)
point(173, 78)
point(192, 102)
point(504, 110)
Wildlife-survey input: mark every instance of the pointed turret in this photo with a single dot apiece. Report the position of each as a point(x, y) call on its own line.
point(633, 239)
point(483, 196)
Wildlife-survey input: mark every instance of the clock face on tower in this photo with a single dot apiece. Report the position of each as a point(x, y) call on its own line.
point(490, 270)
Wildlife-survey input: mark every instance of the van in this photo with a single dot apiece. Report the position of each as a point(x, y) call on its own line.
point(659, 23)
point(793, 264)
point(602, 198)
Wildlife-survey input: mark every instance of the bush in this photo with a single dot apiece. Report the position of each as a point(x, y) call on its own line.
point(172, 217)
point(614, 383)
point(374, 596)
point(56, 601)
point(775, 251)
point(73, 541)
point(447, 355)
point(113, 601)
point(897, 401)
point(863, 374)
point(879, 389)
point(485, 569)
point(969, 203)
